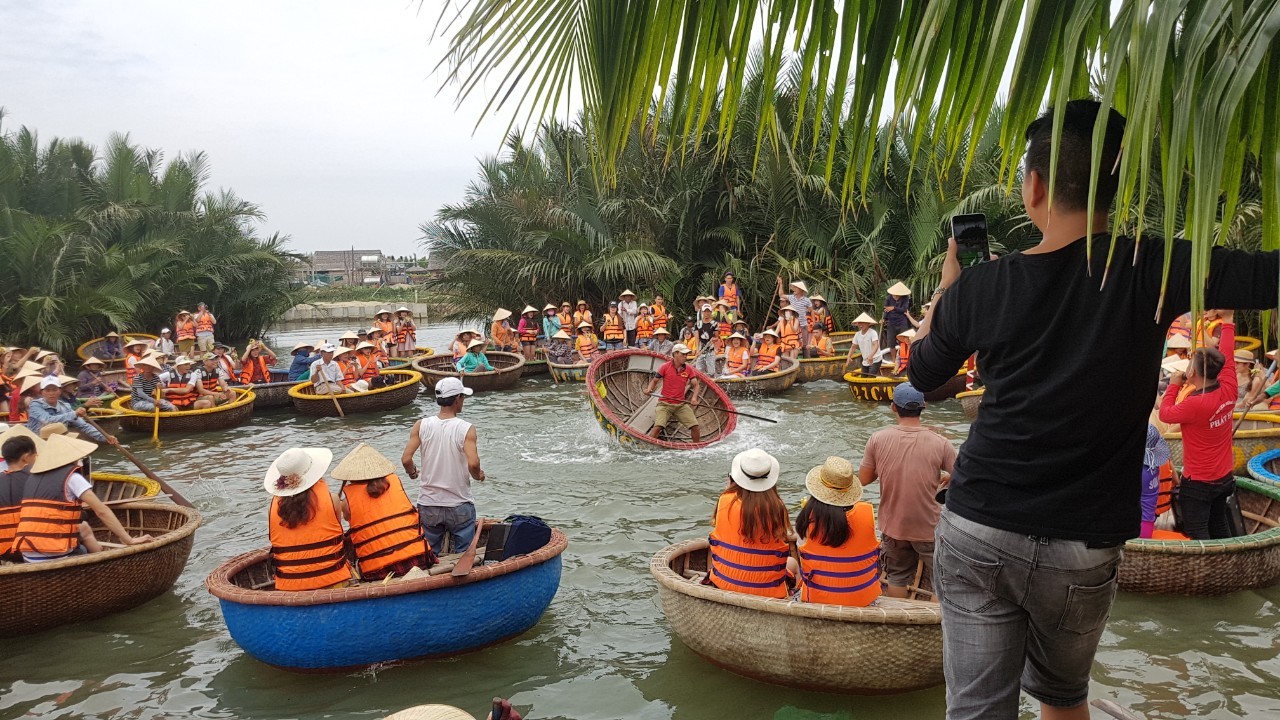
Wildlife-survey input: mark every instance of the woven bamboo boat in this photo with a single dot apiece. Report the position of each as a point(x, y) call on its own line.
point(842, 340)
point(384, 622)
point(770, 383)
point(40, 596)
point(880, 388)
point(616, 385)
point(391, 397)
point(1244, 342)
point(1258, 433)
point(576, 372)
point(1212, 567)
point(508, 367)
point(971, 400)
point(274, 394)
point(534, 368)
point(1265, 467)
point(115, 488)
point(421, 352)
point(188, 421)
point(87, 350)
point(106, 417)
point(890, 647)
point(815, 369)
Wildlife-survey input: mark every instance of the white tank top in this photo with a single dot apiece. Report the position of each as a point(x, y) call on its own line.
point(446, 481)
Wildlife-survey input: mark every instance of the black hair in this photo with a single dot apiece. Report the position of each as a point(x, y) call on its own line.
point(907, 412)
point(1208, 362)
point(447, 402)
point(823, 523)
point(1075, 155)
point(15, 447)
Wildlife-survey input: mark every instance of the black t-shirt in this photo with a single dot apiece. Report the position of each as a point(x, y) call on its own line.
point(706, 332)
point(1070, 367)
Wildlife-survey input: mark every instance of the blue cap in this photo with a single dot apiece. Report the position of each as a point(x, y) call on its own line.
point(907, 397)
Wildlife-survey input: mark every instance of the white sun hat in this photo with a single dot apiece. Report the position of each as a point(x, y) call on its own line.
point(755, 470)
point(296, 470)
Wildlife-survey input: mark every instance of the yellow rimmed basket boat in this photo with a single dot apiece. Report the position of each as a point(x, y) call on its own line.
point(508, 367)
point(113, 488)
point(820, 368)
point(397, 395)
point(576, 372)
point(188, 421)
point(879, 388)
point(971, 400)
point(420, 352)
point(842, 340)
point(1251, 344)
point(40, 596)
point(87, 349)
point(1258, 433)
point(770, 383)
point(1212, 567)
point(893, 646)
point(274, 394)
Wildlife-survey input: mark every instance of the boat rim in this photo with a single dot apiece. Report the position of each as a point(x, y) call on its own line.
point(246, 397)
point(1252, 541)
point(188, 527)
point(82, 356)
point(414, 377)
point(771, 375)
point(456, 373)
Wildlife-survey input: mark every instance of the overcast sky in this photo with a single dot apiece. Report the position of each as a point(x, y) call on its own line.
point(325, 113)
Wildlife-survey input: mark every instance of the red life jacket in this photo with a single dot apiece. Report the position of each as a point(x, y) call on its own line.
point(848, 574)
point(48, 523)
point(739, 564)
point(384, 530)
point(255, 370)
point(310, 556)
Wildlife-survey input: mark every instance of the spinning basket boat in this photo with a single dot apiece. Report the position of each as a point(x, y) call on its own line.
point(506, 373)
point(1212, 567)
point(770, 383)
point(405, 388)
point(87, 350)
point(40, 596)
point(188, 421)
point(971, 400)
point(616, 385)
point(893, 646)
point(382, 622)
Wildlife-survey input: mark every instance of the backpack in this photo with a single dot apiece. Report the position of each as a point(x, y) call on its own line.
point(517, 535)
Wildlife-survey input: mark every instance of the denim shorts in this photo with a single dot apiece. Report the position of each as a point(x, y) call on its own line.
point(459, 522)
point(1018, 611)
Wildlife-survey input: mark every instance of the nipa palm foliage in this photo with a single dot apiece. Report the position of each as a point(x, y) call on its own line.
point(1198, 80)
point(122, 240)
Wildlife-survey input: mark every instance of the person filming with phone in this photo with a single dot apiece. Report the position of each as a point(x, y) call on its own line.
point(1046, 489)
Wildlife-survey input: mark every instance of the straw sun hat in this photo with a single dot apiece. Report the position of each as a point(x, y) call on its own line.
point(1179, 341)
point(833, 482)
point(528, 309)
point(864, 318)
point(431, 712)
point(60, 450)
point(899, 289)
point(475, 343)
point(754, 470)
point(363, 463)
point(501, 314)
point(799, 285)
point(561, 335)
point(296, 470)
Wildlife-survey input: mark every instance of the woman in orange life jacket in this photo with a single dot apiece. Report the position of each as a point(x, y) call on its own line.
point(750, 535)
point(566, 319)
point(385, 532)
point(458, 346)
point(528, 331)
point(819, 344)
point(500, 332)
point(382, 321)
point(53, 500)
point(307, 549)
point(18, 447)
point(737, 357)
point(613, 329)
point(1178, 346)
point(1208, 329)
point(184, 329)
point(768, 353)
point(583, 315)
point(904, 351)
point(789, 332)
point(586, 343)
point(406, 332)
point(820, 315)
point(133, 351)
point(644, 327)
point(661, 318)
point(256, 363)
point(1181, 327)
point(350, 370)
point(378, 339)
point(723, 318)
point(839, 550)
point(730, 293)
point(368, 369)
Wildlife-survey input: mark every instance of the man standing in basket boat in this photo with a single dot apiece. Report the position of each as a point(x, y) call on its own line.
point(1046, 489)
point(911, 462)
point(450, 458)
point(676, 376)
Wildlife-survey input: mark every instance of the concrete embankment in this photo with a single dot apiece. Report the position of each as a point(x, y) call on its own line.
point(352, 310)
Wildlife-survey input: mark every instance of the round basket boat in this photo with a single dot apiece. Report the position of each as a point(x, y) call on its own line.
point(384, 622)
point(534, 368)
point(616, 384)
point(576, 372)
point(421, 352)
point(188, 421)
point(1258, 433)
point(770, 383)
point(1212, 567)
point(842, 340)
point(506, 373)
point(40, 596)
point(971, 400)
point(274, 394)
point(117, 489)
point(88, 349)
point(890, 647)
point(1265, 467)
point(1251, 344)
point(820, 368)
point(872, 389)
point(391, 397)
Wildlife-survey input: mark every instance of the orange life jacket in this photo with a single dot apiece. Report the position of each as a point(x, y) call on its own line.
point(12, 485)
point(614, 331)
point(530, 332)
point(403, 328)
point(766, 354)
point(457, 349)
point(644, 328)
point(823, 344)
point(566, 323)
point(660, 316)
point(384, 530)
point(386, 326)
point(724, 328)
point(48, 523)
point(1164, 499)
point(789, 334)
point(821, 317)
point(210, 379)
point(181, 382)
point(130, 371)
point(185, 329)
point(228, 364)
point(1205, 331)
point(738, 564)
point(586, 344)
point(904, 356)
point(1181, 326)
point(845, 575)
point(736, 360)
point(255, 370)
point(204, 322)
point(729, 295)
point(368, 366)
point(348, 372)
point(310, 556)
point(583, 316)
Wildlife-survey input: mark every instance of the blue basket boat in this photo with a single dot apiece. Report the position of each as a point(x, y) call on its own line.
point(379, 622)
point(1264, 467)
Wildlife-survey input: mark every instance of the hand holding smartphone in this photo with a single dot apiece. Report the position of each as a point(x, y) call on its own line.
point(972, 244)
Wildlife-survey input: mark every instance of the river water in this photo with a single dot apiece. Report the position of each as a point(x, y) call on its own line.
point(603, 650)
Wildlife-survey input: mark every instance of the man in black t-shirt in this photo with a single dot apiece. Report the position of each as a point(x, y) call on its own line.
point(1047, 488)
point(706, 332)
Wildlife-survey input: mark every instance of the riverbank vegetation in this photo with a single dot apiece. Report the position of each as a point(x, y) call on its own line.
point(95, 239)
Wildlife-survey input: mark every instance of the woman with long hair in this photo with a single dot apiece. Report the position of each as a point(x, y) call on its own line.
point(385, 532)
point(839, 551)
point(751, 530)
point(307, 548)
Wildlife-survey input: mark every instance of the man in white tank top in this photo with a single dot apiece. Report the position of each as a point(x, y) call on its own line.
point(446, 445)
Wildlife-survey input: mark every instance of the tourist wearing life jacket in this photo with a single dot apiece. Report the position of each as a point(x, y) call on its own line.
point(820, 315)
point(723, 318)
point(134, 350)
point(768, 353)
point(737, 357)
point(789, 332)
point(256, 364)
point(180, 387)
point(644, 327)
point(528, 330)
point(583, 315)
point(566, 319)
point(904, 351)
point(458, 346)
point(382, 320)
point(307, 548)
point(730, 293)
point(500, 332)
point(751, 533)
point(204, 327)
point(586, 343)
point(212, 386)
point(1180, 328)
point(661, 318)
point(820, 345)
point(49, 522)
point(184, 328)
point(385, 531)
point(839, 550)
point(612, 329)
point(406, 332)
point(1178, 346)
point(18, 447)
point(1208, 330)
point(368, 369)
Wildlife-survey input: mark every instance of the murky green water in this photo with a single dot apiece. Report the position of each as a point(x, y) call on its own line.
point(603, 651)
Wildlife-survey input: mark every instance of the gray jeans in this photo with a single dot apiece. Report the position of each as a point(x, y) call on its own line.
point(149, 405)
point(1018, 610)
point(458, 521)
point(705, 363)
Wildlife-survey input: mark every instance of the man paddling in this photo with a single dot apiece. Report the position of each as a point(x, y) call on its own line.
point(450, 460)
point(676, 377)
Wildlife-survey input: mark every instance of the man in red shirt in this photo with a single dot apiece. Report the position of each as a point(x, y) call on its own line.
point(1205, 416)
point(676, 376)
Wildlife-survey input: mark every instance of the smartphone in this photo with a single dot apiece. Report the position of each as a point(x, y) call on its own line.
point(970, 232)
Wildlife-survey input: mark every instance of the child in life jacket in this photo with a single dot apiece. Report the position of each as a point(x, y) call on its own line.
point(839, 550)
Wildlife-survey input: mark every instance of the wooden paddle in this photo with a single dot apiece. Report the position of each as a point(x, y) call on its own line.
point(463, 567)
point(168, 489)
point(325, 379)
point(155, 426)
point(721, 409)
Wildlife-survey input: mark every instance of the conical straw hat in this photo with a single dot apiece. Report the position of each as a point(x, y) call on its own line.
point(799, 285)
point(363, 463)
point(528, 309)
point(501, 314)
point(864, 318)
point(899, 289)
point(431, 712)
point(60, 450)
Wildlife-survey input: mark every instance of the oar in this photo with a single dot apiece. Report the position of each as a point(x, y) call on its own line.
point(463, 567)
point(168, 489)
point(725, 409)
point(325, 379)
point(155, 426)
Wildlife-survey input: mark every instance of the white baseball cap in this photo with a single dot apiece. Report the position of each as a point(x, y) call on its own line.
point(451, 387)
point(50, 381)
point(327, 348)
point(681, 348)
